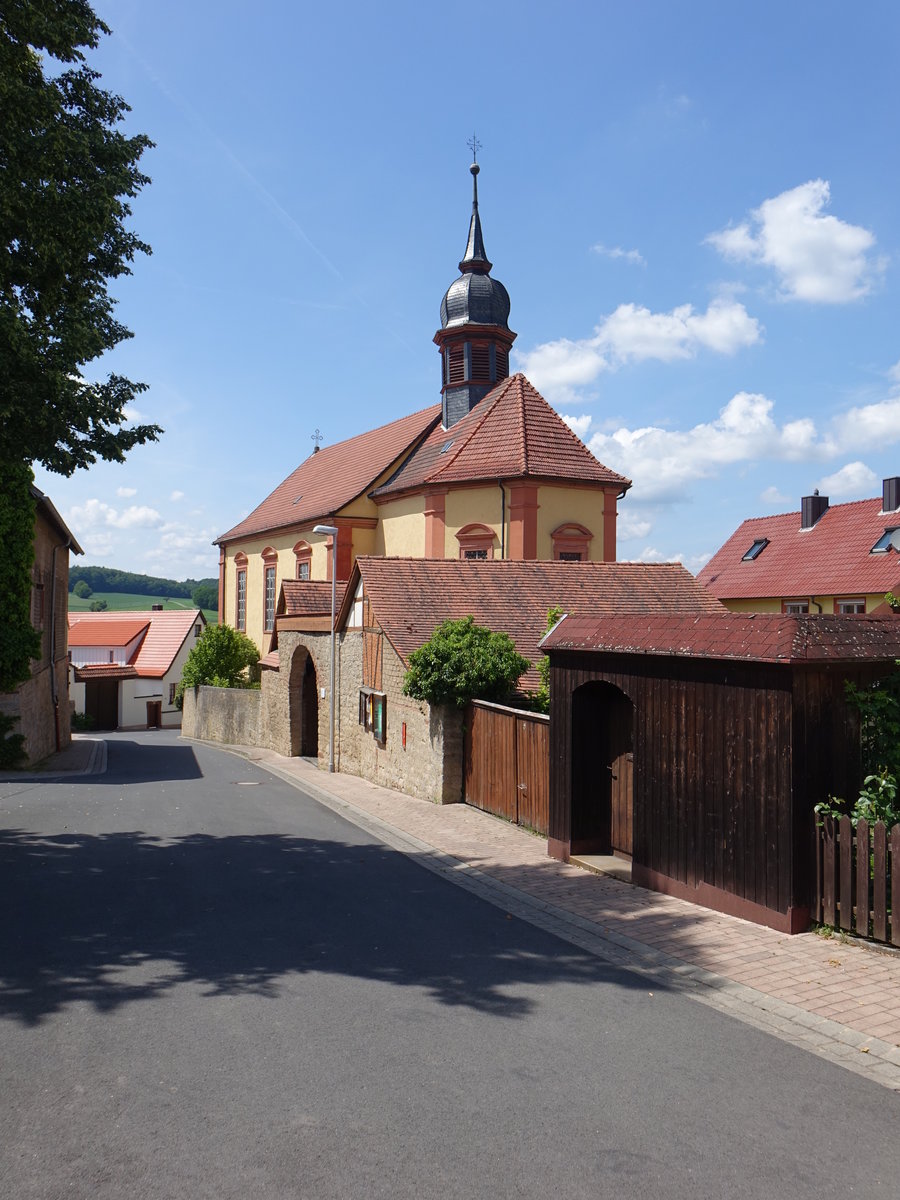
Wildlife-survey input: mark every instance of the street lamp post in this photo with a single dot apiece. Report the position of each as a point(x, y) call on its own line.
point(333, 531)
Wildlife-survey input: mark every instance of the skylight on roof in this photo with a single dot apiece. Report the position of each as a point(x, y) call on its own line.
point(888, 540)
point(446, 446)
point(755, 550)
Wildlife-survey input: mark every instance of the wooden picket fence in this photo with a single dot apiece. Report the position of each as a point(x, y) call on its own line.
point(858, 878)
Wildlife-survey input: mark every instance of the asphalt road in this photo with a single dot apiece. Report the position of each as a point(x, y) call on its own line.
point(212, 986)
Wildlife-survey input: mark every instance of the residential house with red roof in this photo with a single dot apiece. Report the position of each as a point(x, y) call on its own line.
point(839, 558)
point(41, 704)
point(492, 472)
point(126, 666)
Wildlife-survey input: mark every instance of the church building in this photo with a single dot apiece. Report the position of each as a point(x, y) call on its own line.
point(492, 472)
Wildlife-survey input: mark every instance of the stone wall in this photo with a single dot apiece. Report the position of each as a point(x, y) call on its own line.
point(430, 763)
point(228, 715)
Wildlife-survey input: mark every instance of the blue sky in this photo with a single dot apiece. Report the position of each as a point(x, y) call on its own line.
point(693, 207)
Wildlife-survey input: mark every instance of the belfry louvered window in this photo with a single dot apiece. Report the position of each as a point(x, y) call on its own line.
point(456, 371)
point(481, 364)
point(502, 362)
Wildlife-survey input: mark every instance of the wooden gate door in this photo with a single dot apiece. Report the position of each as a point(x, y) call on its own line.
point(507, 764)
point(154, 714)
point(622, 803)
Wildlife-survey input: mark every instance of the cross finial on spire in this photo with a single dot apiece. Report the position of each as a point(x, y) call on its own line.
point(316, 438)
point(474, 145)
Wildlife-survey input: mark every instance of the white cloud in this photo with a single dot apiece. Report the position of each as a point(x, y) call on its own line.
point(131, 413)
point(868, 426)
point(94, 514)
point(578, 425)
point(816, 256)
point(630, 526)
point(630, 256)
point(126, 492)
point(853, 479)
point(663, 462)
point(176, 495)
point(633, 334)
point(772, 496)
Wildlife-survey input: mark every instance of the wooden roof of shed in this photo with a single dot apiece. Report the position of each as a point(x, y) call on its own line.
point(748, 637)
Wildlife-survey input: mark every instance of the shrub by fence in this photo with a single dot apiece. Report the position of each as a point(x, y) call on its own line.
point(858, 878)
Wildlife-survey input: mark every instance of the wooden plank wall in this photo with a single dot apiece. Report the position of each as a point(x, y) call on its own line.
point(712, 768)
point(506, 764)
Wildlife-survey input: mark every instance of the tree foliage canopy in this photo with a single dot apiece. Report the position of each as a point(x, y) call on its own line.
point(219, 658)
point(463, 661)
point(67, 173)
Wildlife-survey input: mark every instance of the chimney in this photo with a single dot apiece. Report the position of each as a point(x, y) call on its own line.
point(811, 508)
point(890, 494)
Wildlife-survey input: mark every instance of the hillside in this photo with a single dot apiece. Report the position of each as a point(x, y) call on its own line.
point(102, 581)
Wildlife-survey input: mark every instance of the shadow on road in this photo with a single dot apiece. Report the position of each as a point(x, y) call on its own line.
point(122, 917)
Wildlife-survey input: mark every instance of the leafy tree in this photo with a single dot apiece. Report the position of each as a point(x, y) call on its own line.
point(206, 595)
point(82, 590)
point(67, 173)
point(219, 658)
point(99, 605)
point(20, 642)
point(463, 661)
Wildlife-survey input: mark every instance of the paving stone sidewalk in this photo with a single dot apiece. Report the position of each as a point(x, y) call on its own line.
point(837, 999)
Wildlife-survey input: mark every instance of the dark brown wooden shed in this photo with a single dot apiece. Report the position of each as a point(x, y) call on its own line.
point(698, 746)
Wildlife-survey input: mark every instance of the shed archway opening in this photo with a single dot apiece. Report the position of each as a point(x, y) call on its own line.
point(602, 770)
point(303, 704)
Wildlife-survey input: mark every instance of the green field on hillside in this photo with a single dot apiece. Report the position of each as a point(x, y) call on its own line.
point(129, 601)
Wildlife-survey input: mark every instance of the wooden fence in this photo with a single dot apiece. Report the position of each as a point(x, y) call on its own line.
point(858, 878)
point(507, 763)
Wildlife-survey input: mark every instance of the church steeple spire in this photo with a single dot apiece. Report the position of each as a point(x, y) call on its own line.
point(475, 258)
point(474, 337)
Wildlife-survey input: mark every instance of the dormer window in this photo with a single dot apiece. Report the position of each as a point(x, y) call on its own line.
point(887, 541)
point(755, 550)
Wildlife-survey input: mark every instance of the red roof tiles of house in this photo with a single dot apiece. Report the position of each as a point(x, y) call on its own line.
point(832, 558)
point(411, 597)
point(105, 629)
point(305, 598)
point(105, 671)
point(166, 634)
point(330, 479)
point(752, 637)
point(512, 433)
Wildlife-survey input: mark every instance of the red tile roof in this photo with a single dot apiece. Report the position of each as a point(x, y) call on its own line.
point(750, 637)
point(830, 559)
point(513, 433)
point(411, 597)
point(329, 480)
point(306, 597)
point(164, 638)
point(104, 671)
point(105, 629)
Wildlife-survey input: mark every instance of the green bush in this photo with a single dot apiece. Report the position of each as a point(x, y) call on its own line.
point(463, 661)
point(219, 658)
point(82, 590)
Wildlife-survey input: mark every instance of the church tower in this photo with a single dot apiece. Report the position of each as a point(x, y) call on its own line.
point(474, 338)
